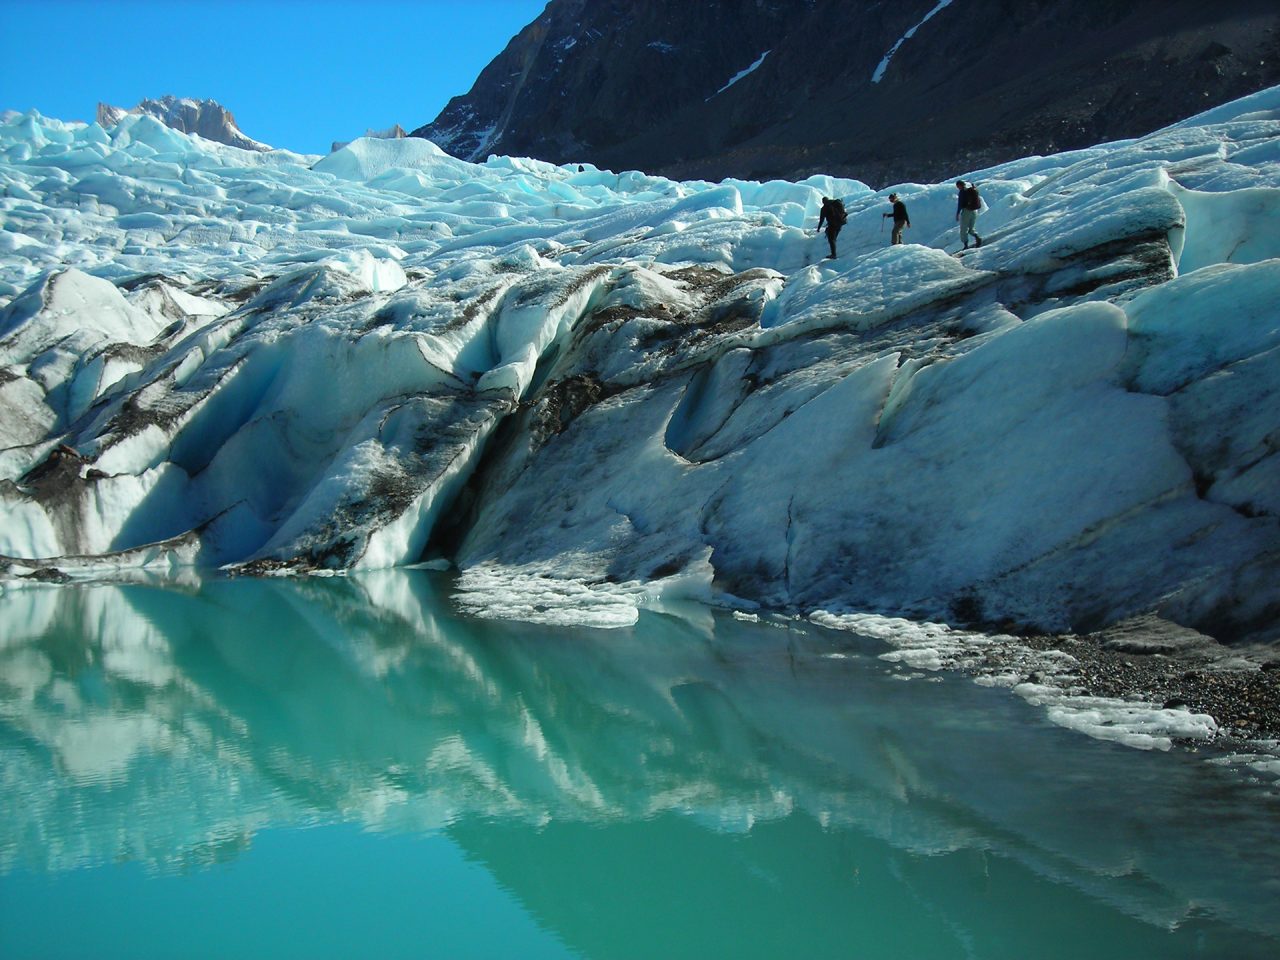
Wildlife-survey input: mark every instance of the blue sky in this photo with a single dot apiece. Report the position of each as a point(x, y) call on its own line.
point(297, 74)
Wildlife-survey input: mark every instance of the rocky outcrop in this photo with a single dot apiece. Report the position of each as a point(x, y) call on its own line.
point(883, 91)
point(395, 132)
point(206, 118)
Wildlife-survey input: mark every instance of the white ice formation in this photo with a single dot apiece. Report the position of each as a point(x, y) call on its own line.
point(648, 388)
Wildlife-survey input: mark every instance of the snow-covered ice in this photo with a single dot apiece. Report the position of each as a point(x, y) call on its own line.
point(599, 391)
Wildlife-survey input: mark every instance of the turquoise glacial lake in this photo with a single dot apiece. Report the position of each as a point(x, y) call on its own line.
point(351, 767)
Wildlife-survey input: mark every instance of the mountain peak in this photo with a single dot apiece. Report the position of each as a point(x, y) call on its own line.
point(206, 118)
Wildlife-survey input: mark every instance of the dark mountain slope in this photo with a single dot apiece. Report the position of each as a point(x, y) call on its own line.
point(640, 85)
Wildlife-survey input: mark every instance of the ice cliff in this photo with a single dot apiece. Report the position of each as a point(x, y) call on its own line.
point(609, 389)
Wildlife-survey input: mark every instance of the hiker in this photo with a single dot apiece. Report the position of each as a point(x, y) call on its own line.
point(833, 215)
point(900, 218)
point(968, 203)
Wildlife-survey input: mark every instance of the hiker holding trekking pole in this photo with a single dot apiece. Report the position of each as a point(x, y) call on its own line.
point(900, 219)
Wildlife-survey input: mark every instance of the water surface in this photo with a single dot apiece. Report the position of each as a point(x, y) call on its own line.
point(349, 767)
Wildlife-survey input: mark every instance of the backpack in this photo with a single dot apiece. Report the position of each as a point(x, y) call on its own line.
point(837, 214)
point(970, 199)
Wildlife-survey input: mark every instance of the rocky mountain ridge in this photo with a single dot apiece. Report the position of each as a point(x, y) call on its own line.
point(883, 91)
point(206, 118)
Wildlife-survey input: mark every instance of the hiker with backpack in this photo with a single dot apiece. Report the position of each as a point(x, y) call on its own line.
point(968, 203)
point(900, 218)
point(833, 214)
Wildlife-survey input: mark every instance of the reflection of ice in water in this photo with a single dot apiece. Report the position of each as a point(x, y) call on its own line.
point(278, 709)
point(100, 749)
point(93, 741)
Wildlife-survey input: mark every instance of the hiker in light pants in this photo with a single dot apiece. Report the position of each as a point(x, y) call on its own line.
point(968, 203)
point(900, 218)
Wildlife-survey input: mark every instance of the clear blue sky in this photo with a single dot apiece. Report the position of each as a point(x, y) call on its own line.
point(297, 74)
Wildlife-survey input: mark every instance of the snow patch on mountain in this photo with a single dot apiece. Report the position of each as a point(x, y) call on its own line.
point(878, 74)
point(742, 73)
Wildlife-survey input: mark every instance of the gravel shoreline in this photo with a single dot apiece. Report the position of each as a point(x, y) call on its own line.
point(1173, 678)
point(1241, 692)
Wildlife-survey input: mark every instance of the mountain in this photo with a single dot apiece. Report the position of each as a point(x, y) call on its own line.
point(887, 91)
point(206, 118)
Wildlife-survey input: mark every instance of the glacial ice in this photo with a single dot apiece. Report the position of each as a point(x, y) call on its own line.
point(592, 390)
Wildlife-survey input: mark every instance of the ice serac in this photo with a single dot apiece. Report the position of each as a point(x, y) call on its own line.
point(597, 391)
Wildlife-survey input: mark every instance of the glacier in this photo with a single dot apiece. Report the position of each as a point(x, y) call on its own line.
point(595, 392)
